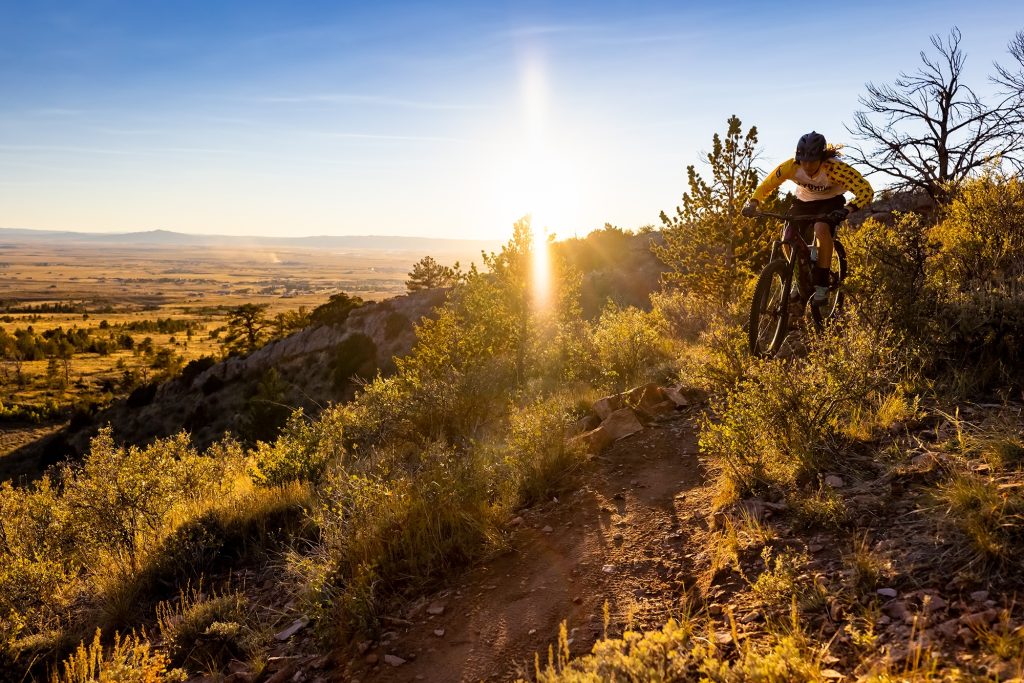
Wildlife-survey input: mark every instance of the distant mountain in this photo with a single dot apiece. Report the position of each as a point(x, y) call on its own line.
point(168, 238)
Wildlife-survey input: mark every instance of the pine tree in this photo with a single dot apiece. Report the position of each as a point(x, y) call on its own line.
point(246, 328)
point(429, 274)
point(710, 249)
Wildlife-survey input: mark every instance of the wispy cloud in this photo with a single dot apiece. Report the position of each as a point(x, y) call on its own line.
point(401, 138)
point(355, 98)
point(68, 149)
point(57, 111)
point(645, 38)
point(610, 33)
point(132, 132)
point(550, 29)
point(62, 148)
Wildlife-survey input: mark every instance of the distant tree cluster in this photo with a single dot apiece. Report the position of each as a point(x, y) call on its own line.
point(27, 345)
point(160, 325)
point(48, 307)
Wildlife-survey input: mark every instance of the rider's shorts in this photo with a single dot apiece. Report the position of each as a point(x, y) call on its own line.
point(819, 206)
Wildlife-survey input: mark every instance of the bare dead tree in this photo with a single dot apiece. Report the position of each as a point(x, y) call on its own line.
point(929, 130)
point(1013, 81)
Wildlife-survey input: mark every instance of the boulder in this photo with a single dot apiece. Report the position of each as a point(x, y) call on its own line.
point(683, 396)
point(673, 394)
point(645, 397)
point(621, 423)
point(663, 408)
point(583, 425)
point(607, 405)
point(594, 441)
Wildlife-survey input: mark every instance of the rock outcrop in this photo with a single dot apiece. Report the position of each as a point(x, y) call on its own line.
point(620, 415)
point(311, 369)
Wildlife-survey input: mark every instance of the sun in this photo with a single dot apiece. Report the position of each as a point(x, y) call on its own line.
point(535, 176)
point(541, 186)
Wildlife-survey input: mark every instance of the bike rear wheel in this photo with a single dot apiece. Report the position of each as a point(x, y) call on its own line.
point(769, 309)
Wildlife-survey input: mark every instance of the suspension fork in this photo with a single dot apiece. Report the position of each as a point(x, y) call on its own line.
point(779, 249)
point(799, 259)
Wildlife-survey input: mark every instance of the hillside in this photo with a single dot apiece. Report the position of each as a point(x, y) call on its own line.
point(308, 369)
point(848, 510)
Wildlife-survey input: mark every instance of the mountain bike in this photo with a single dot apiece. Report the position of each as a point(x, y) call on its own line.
point(774, 293)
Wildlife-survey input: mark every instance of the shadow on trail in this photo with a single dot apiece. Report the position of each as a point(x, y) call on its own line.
point(617, 537)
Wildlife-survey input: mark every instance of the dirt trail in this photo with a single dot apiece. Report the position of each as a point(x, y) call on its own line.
point(619, 537)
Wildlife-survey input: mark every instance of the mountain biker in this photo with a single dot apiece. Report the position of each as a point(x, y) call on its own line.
point(821, 180)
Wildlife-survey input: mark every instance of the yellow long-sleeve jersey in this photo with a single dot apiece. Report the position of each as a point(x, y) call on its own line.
point(832, 179)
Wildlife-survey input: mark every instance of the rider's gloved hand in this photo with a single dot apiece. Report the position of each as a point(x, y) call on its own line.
point(750, 209)
point(838, 216)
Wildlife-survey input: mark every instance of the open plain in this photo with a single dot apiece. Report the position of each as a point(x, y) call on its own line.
point(111, 285)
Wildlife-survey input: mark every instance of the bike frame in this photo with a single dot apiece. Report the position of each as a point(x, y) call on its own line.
point(799, 249)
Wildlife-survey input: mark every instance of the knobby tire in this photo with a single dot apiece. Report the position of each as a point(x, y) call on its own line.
point(775, 273)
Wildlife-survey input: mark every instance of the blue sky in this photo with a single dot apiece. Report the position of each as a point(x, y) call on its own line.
point(426, 119)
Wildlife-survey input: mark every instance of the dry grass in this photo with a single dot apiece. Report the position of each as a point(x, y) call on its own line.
point(131, 659)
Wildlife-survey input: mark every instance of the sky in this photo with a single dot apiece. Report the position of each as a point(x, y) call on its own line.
point(432, 119)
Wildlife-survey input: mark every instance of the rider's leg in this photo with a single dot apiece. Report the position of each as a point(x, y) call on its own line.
point(823, 240)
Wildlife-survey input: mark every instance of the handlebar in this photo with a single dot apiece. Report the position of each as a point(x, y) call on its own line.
point(786, 217)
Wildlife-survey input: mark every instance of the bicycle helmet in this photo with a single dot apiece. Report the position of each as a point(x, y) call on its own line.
point(811, 147)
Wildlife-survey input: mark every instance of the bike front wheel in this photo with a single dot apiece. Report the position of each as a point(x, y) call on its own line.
point(769, 309)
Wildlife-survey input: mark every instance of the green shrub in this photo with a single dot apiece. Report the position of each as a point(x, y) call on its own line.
point(685, 315)
point(783, 583)
point(84, 556)
point(242, 525)
point(1005, 453)
point(267, 409)
point(988, 520)
point(981, 236)
point(336, 310)
point(823, 508)
point(394, 529)
point(682, 651)
point(455, 403)
point(953, 290)
point(631, 345)
point(534, 453)
point(979, 344)
point(355, 358)
point(782, 422)
point(118, 500)
point(302, 451)
point(889, 266)
point(37, 582)
point(205, 632)
point(718, 360)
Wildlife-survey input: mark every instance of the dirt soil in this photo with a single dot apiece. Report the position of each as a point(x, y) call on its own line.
point(618, 538)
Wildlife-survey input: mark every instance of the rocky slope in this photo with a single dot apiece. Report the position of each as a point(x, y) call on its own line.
point(311, 369)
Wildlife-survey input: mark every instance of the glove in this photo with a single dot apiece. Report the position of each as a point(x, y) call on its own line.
point(750, 209)
point(838, 216)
